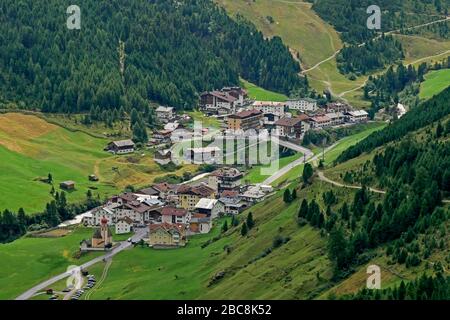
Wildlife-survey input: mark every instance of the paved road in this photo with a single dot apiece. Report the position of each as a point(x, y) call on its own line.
point(293, 146)
point(309, 157)
point(140, 234)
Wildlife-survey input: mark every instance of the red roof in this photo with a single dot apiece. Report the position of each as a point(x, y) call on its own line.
point(320, 119)
point(229, 194)
point(126, 219)
point(288, 122)
point(245, 114)
point(199, 215)
point(303, 117)
point(221, 95)
point(200, 190)
point(165, 187)
point(171, 211)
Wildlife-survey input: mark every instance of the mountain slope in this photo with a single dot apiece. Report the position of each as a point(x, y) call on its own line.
point(172, 50)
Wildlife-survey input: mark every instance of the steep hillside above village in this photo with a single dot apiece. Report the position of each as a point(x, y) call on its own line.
point(128, 52)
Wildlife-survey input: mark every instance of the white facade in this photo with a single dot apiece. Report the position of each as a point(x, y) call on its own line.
point(276, 108)
point(357, 116)
point(336, 118)
point(176, 218)
point(123, 227)
point(211, 207)
point(93, 219)
point(304, 105)
point(164, 113)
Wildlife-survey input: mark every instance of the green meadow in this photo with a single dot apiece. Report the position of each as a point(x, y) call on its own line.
point(435, 82)
point(332, 155)
point(28, 261)
point(261, 94)
point(254, 174)
point(31, 148)
point(288, 272)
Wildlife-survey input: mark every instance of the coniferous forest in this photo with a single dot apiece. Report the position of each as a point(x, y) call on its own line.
point(365, 50)
point(171, 51)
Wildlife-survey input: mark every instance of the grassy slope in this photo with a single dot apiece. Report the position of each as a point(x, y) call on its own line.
point(207, 122)
point(436, 81)
point(260, 94)
point(288, 272)
point(330, 156)
point(254, 174)
point(304, 32)
point(28, 261)
point(31, 148)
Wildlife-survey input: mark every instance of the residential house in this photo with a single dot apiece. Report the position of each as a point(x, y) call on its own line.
point(163, 157)
point(149, 191)
point(225, 179)
point(233, 205)
point(121, 147)
point(164, 114)
point(175, 215)
point(254, 194)
point(135, 210)
point(96, 215)
point(240, 94)
point(217, 102)
point(211, 207)
point(124, 225)
point(245, 120)
point(172, 126)
point(162, 136)
point(203, 155)
point(270, 119)
point(189, 196)
point(320, 121)
point(303, 104)
point(166, 190)
point(292, 128)
point(166, 235)
point(200, 224)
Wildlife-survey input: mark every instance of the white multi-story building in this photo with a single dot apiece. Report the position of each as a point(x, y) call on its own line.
point(269, 107)
point(304, 104)
point(124, 226)
point(357, 116)
point(336, 118)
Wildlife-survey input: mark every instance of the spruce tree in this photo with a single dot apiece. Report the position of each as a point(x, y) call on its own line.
point(244, 229)
point(250, 222)
point(225, 226)
point(303, 212)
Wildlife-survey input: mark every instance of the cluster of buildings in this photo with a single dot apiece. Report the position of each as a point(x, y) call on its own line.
point(223, 102)
point(173, 212)
point(280, 120)
point(290, 119)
